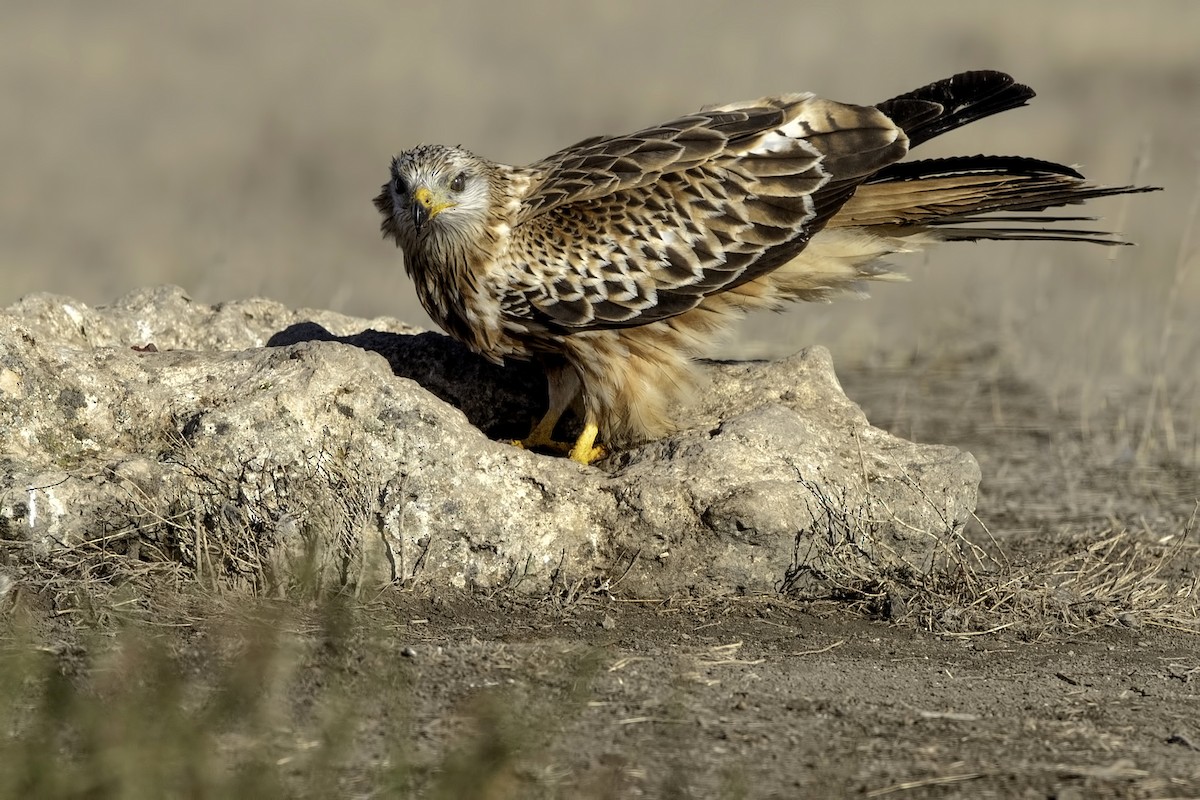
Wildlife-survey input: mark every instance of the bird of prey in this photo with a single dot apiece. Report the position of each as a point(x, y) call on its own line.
point(613, 262)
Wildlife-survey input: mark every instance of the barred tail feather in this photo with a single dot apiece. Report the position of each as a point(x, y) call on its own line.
point(968, 198)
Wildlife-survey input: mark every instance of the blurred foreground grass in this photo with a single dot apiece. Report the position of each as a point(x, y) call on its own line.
point(124, 715)
point(263, 705)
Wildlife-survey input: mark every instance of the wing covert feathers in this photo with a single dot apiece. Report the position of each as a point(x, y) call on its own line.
point(733, 192)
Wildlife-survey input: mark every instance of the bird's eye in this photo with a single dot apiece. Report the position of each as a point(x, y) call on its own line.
point(401, 185)
point(459, 182)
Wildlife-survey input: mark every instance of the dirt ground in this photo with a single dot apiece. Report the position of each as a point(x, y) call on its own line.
point(758, 699)
point(233, 149)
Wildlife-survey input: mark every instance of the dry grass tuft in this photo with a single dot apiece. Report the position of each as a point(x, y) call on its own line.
point(1114, 577)
point(1117, 577)
point(1122, 578)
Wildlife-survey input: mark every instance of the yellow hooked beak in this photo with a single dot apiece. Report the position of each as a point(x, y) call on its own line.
point(426, 206)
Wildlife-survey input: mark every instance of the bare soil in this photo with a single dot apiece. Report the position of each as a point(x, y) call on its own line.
point(759, 699)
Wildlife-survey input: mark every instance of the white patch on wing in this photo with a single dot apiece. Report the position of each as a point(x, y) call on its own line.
point(774, 142)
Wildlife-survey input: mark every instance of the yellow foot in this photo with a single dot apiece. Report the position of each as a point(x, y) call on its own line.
point(540, 438)
point(588, 456)
point(582, 455)
point(586, 450)
point(532, 442)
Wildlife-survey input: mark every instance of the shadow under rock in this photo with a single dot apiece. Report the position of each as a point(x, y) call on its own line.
point(502, 401)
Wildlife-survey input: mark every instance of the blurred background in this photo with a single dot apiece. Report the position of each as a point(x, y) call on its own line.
point(233, 148)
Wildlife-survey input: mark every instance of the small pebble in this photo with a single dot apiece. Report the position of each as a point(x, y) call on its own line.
point(408, 652)
point(608, 623)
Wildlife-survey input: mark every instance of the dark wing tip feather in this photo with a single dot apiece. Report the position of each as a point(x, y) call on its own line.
point(1028, 234)
point(953, 102)
point(960, 165)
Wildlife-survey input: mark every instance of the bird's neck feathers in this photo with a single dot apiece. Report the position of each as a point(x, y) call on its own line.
point(447, 265)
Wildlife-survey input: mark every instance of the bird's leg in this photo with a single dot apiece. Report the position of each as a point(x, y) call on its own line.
point(586, 450)
point(542, 434)
point(563, 383)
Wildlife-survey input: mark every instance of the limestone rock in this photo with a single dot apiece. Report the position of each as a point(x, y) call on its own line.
point(257, 445)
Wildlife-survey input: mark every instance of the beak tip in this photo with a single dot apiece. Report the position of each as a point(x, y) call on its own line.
point(420, 216)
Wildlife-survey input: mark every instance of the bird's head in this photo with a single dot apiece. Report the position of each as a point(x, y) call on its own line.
point(435, 194)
